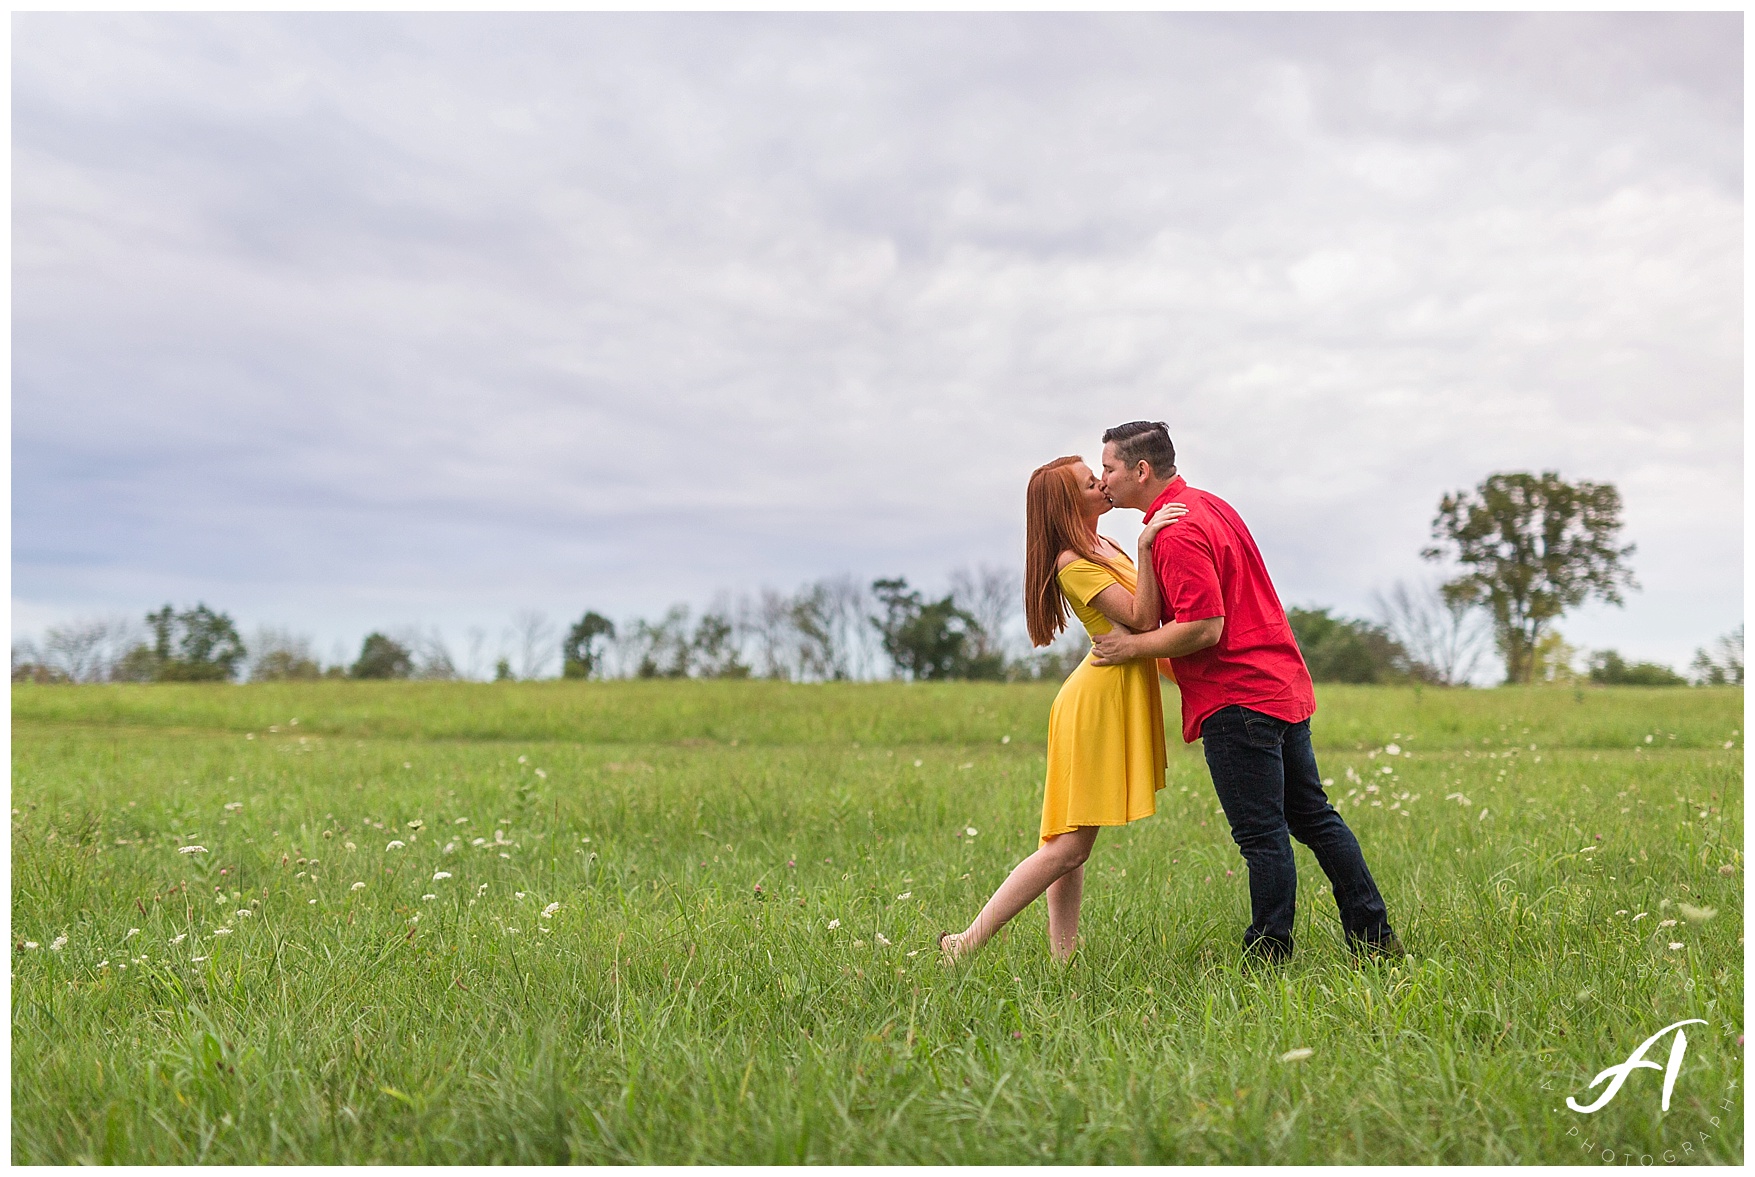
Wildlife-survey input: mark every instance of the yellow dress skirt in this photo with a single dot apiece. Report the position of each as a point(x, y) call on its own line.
point(1106, 755)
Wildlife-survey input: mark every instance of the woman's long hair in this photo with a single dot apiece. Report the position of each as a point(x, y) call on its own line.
point(1053, 523)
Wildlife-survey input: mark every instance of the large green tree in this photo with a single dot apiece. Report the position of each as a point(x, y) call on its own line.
point(1531, 547)
point(382, 657)
point(580, 653)
point(931, 639)
point(196, 645)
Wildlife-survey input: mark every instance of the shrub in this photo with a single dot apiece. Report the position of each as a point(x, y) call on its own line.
point(1608, 668)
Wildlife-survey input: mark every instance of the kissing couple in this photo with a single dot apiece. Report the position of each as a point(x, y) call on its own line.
point(1204, 612)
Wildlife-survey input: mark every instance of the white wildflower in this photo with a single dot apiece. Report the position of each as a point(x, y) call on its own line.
point(416, 824)
point(880, 938)
point(424, 898)
point(906, 895)
point(971, 831)
point(357, 887)
point(350, 846)
point(31, 944)
point(58, 943)
point(833, 924)
point(859, 944)
point(517, 894)
point(918, 763)
point(479, 842)
point(1640, 916)
point(132, 932)
point(1696, 915)
point(511, 931)
point(1392, 750)
point(196, 959)
point(481, 890)
point(395, 844)
point(234, 806)
point(191, 850)
point(441, 874)
point(222, 931)
point(550, 910)
point(179, 937)
point(1675, 946)
point(542, 774)
point(1005, 739)
point(449, 847)
point(244, 913)
point(1299, 1054)
point(1666, 923)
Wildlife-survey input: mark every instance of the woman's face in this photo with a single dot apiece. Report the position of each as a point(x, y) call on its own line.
point(1092, 499)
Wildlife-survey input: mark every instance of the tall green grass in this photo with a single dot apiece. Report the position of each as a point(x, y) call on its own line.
point(668, 1011)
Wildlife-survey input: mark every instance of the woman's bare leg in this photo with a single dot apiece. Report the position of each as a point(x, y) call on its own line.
point(1060, 854)
point(1064, 895)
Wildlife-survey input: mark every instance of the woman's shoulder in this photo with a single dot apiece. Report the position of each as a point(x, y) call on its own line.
point(1066, 557)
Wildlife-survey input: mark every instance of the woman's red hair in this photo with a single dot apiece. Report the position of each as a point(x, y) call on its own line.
point(1054, 522)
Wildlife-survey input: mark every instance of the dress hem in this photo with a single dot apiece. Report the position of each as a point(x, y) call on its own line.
point(1069, 829)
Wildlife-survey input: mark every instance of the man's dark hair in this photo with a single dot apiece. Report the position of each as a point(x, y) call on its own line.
point(1145, 441)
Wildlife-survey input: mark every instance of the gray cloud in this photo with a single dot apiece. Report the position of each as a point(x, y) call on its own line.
point(355, 320)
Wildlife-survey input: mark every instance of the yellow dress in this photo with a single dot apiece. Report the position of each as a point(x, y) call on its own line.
point(1106, 755)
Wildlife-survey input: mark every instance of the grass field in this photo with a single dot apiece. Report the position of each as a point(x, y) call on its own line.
point(366, 963)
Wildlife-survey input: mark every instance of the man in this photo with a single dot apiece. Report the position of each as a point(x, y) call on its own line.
point(1246, 694)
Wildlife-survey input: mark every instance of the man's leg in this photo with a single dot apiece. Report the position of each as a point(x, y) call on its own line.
point(1314, 822)
point(1243, 754)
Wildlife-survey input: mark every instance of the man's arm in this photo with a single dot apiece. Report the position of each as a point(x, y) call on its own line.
point(1176, 640)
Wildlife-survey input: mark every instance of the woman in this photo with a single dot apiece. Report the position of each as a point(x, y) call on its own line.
point(1106, 729)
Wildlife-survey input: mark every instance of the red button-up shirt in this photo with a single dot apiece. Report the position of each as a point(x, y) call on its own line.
point(1207, 565)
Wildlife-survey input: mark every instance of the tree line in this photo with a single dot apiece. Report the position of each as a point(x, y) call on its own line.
point(1522, 550)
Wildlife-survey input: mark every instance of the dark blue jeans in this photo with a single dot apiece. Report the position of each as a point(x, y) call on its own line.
point(1264, 771)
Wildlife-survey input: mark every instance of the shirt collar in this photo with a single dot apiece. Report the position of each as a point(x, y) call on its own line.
point(1176, 487)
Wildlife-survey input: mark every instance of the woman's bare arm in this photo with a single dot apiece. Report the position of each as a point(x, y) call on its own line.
point(1139, 611)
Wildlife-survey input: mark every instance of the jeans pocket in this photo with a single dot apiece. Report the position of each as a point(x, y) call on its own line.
point(1262, 731)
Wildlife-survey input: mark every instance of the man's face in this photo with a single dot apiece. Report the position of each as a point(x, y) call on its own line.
point(1124, 485)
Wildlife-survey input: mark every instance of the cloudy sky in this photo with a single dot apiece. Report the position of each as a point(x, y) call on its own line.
point(343, 322)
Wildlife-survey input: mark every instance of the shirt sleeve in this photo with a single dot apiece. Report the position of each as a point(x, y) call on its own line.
point(1188, 576)
point(1082, 580)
